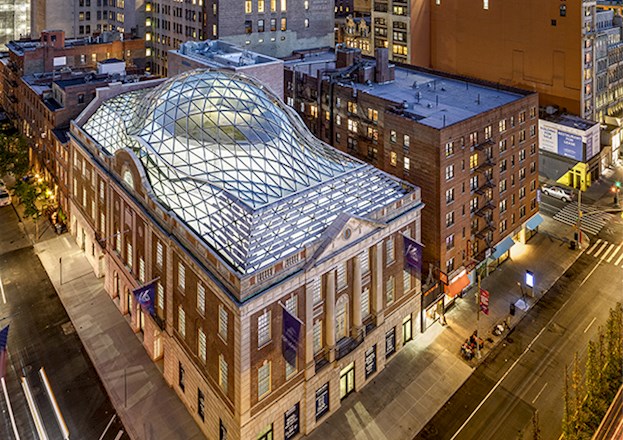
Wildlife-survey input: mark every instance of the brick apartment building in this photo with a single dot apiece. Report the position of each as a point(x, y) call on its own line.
point(209, 185)
point(47, 83)
point(270, 27)
point(471, 146)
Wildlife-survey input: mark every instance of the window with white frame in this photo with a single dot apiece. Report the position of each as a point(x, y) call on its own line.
point(202, 348)
point(181, 276)
point(407, 163)
point(406, 280)
point(263, 329)
point(201, 298)
point(364, 261)
point(317, 337)
point(449, 172)
point(389, 290)
point(341, 276)
point(223, 321)
point(181, 321)
point(390, 253)
point(365, 302)
point(222, 372)
point(291, 305)
point(159, 254)
point(263, 380)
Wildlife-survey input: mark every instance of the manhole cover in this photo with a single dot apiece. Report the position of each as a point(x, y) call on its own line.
point(68, 328)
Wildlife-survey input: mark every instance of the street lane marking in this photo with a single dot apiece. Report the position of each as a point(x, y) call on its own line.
point(57, 412)
point(590, 251)
point(605, 254)
point(616, 251)
point(34, 411)
point(539, 393)
point(119, 435)
point(601, 249)
point(108, 426)
point(499, 382)
point(2, 290)
point(589, 326)
point(587, 276)
point(8, 405)
point(616, 263)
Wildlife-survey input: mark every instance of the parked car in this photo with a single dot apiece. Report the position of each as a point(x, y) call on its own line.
point(5, 198)
point(564, 194)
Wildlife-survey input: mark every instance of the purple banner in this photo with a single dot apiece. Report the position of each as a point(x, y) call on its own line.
point(145, 295)
point(290, 337)
point(413, 254)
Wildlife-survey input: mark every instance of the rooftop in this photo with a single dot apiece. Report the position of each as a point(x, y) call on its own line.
point(434, 99)
point(237, 165)
point(571, 121)
point(218, 53)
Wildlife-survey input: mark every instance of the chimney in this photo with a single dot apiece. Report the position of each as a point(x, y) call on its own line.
point(381, 70)
point(344, 57)
point(55, 39)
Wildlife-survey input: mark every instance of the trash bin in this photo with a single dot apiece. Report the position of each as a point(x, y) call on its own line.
point(572, 245)
point(512, 309)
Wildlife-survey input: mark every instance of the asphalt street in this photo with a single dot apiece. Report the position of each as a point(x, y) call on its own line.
point(42, 336)
point(526, 373)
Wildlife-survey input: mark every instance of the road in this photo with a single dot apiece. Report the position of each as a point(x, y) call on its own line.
point(42, 336)
point(526, 373)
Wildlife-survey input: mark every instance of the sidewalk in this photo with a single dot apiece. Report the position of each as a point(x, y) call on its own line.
point(147, 406)
point(428, 371)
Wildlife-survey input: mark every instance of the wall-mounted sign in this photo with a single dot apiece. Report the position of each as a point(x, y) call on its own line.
point(322, 400)
point(291, 422)
point(370, 361)
point(390, 342)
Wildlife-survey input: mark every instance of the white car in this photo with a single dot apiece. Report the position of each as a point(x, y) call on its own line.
point(566, 195)
point(5, 198)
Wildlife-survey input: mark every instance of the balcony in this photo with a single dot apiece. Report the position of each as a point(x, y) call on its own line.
point(487, 164)
point(484, 211)
point(481, 146)
point(488, 184)
point(482, 232)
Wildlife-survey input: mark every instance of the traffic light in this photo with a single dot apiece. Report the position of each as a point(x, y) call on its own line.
point(617, 184)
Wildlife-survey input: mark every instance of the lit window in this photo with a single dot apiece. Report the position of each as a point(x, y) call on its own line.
point(389, 250)
point(263, 380)
point(159, 254)
point(202, 349)
point(181, 276)
point(263, 329)
point(201, 298)
point(223, 322)
point(181, 321)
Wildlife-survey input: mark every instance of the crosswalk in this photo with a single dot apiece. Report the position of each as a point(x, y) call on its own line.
point(592, 222)
point(607, 252)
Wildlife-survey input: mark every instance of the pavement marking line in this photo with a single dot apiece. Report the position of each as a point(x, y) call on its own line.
point(590, 251)
point(605, 254)
point(616, 251)
point(499, 382)
point(589, 325)
point(8, 404)
point(539, 393)
point(108, 426)
point(587, 276)
point(603, 246)
point(2, 291)
point(57, 411)
point(34, 411)
point(616, 263)
point(119, 435)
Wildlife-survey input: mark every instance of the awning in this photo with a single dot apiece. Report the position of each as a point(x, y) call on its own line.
point(502, 247)
point(457, 286)
point(534, 222)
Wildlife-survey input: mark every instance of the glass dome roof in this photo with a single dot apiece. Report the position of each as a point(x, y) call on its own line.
point(237, 165)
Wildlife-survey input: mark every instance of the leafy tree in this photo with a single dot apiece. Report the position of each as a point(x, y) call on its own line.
point(13, 155)
point(536, 428)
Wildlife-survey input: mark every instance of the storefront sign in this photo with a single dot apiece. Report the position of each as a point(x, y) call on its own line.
point(322, 400)
point(291, 422)
point(431, 295)
point(370, 361)
point(390, 342)
point(484, 301)
point(443, 277)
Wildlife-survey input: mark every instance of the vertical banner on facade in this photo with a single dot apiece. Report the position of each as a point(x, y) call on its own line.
point(291, 423)
point(290, 336)
point(145, 295)
point(484, 301)
point(412, 254)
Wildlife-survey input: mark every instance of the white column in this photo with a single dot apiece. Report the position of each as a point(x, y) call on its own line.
point(356, 296)
point(330, 314)
point(377, 303)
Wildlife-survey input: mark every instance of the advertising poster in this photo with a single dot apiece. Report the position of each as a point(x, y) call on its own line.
point(322, 400)
point(570, 145)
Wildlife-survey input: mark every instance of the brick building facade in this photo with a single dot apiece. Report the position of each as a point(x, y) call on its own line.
point(322, 240)
point(471, 146)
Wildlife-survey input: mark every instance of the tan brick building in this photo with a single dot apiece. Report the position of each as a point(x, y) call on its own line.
point(209, 185)
point(471, 146)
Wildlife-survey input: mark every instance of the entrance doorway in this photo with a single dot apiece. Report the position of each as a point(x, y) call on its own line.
point(407, 329)
point(347, 380)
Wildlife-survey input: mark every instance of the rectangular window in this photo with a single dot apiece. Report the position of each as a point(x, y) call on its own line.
point(284, 26)
point(181, 321)
point(160, 296)
point(291, 305)
point(260, 5)
point(248, 7)
point(263, 380)
point(201, 298)
point(263, 329)
point(450, 218)
point(449, 172)
point(181, 277)
point(365, 302)
point(407, 163)
point(341, 276)
point(389, 290)
point(406, 280)
point(405, 140)
point(450, 195)
point(449, 149)
point(450, 242)
point(141, 269)
point(450, 265)
point(284, 5)
point(201, 405)
point(317, 338)
point(202, 348)
point(159, 254)
point(393, 158)
point(223, 321)
point(128, 254)
point(390, 253)
point(364, 261)
point(316, 292)
point(222, 372)
point(181, 376)
point(392, 136)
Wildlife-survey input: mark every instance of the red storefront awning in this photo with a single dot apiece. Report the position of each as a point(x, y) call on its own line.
point(457, 286)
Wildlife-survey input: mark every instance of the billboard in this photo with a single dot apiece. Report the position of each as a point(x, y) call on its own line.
point(579, 142)
point(570, 145)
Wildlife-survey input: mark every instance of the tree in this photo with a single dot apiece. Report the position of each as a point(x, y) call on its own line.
point(594, 405)
point(568, 418)
point(536, 429)
point(13, 155)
